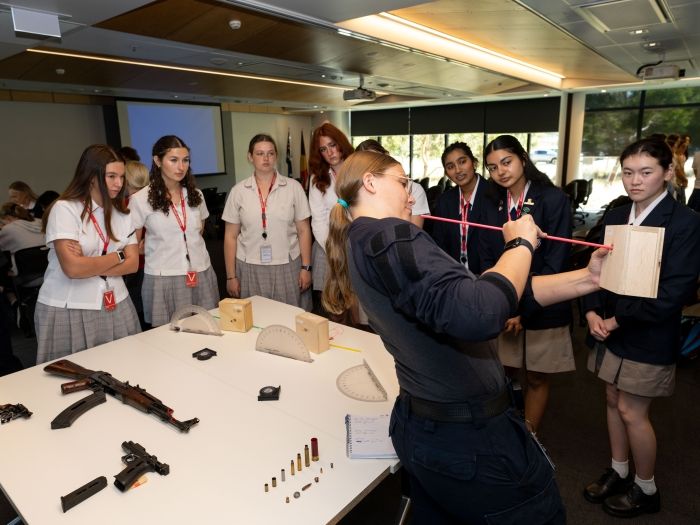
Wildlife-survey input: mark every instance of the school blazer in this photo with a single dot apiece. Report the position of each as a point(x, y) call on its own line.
point(649, 330)
point(551, 211)
point(447, 235)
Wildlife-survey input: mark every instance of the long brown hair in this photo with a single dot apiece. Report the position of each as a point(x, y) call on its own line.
point(93, 166)
point(317, 164)
point(157, 192)
point(24, 188)
point(11, 209)
point(338, 295)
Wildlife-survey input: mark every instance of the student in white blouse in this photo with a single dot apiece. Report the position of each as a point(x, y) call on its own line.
point(267, 244)
point(177, 269)
point(83, 301)
point(329, 148)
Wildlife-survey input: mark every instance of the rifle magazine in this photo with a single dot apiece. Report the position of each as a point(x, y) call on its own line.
point(77, 409)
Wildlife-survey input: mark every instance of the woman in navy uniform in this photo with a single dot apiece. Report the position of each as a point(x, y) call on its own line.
point(638, 338)
point(540, 343)
point(462, 203)
point(469, 458)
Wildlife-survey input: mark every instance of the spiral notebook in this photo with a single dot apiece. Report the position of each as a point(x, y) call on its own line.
point(368, 437)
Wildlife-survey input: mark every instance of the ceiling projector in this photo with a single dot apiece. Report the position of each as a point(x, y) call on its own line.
point(359, 94)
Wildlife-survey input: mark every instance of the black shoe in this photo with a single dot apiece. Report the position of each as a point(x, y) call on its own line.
point(633, 503)
point(609, 484)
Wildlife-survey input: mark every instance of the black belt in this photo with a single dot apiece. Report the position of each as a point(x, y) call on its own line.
point(458, 412)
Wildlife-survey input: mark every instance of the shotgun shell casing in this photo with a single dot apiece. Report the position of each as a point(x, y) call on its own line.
point(314, 449)
point(299, 462)
point(307, 461)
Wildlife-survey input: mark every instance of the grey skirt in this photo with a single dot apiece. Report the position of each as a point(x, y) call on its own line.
point(279, 282)
point(320, 266)
point(64, 331)
point(163, 294)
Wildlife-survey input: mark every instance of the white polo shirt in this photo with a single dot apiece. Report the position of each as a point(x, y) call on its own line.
point(165, 252)
point(321, 205)
point(64, 222)
point(286, 204)
point(420, 207)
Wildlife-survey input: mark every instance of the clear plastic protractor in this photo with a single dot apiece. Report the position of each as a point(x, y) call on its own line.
point(360, 383)
point(279, 340)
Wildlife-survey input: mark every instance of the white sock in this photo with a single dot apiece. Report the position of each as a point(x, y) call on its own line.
point(648, 486)
point(621, 467)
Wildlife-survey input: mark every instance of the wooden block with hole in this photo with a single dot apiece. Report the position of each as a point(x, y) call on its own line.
point(313, 330)
point(633, 266)
point(235, 315)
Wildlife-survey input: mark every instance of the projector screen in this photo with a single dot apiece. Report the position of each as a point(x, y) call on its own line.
point(142, 123)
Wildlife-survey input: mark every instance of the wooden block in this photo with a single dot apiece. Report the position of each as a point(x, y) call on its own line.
point(235, 315)
point(633, 266)
point(313, 330)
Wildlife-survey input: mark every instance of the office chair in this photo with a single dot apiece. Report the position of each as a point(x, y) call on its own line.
point(31, 264)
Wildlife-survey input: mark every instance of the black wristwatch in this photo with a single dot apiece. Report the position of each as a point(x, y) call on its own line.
point(519, 241)
point(306, 267)
point(120, 254)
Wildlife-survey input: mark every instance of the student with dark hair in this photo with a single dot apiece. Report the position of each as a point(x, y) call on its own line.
point(468, 457)
point(541, 343)
point(129, 154)
point(463, 202)
point(329, 148)
point(177, 270)
point(83, 301)
point(638, 339)
point(267, 243)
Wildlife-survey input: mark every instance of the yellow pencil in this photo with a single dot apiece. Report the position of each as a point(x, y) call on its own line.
point(346, 348)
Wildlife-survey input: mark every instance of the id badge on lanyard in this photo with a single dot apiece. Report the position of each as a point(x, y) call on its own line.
point(191, 278)
point(109, 302)
point(265, 247)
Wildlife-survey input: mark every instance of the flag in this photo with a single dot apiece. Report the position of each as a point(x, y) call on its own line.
point(289, 153)
point(303, 167)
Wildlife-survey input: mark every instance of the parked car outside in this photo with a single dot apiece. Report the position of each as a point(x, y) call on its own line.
point(543, 155)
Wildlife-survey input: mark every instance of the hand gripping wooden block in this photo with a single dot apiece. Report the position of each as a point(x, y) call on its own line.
point(633, 266)
point(313, 330)
point(235, 315)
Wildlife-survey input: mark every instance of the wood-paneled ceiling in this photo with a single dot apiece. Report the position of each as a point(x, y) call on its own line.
point(300, 46)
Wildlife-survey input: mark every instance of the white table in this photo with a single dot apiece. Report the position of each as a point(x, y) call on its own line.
point(219, 468)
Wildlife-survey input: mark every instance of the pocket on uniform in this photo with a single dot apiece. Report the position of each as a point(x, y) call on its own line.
point(456, 466)
point(544, 507)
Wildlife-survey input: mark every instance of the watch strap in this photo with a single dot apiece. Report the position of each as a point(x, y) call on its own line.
point(519, 241)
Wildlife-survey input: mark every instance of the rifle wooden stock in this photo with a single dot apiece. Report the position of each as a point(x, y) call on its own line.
point(134, 396)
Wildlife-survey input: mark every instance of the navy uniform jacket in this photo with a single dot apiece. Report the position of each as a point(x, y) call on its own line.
point(447, 235)
point(551, 211)
point(433, 315)
point(649, 330)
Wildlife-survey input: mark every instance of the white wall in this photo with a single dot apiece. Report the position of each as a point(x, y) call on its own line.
point(41, 143)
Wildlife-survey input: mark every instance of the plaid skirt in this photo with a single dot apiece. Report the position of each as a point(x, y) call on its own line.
point(320, 266)
point(279, 282)
point(163, 294)
point(64, 331)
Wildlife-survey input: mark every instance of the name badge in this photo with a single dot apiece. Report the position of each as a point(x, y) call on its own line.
point(191, 279)
point(266, 254)
point(108, 300)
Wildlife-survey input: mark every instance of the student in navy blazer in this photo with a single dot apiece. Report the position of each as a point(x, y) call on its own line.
point(462, 203)
point(540, 342)
point(639, 338)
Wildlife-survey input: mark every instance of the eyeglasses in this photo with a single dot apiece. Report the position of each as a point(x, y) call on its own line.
point(405, 182)
point(330, 145)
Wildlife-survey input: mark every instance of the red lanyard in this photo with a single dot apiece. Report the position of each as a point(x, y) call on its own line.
point(263, 204)
point(519, 207)
point(182, 222)
point(464, 211)
point(105, 240)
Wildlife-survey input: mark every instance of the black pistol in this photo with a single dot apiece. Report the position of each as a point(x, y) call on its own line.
point(138, 462)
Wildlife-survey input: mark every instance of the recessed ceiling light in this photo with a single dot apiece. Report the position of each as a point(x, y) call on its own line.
point(234, 24)
point(636, 32)
point(323, 76)
point(603, 90)
point(652, 45)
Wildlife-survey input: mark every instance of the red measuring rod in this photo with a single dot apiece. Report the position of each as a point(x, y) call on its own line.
point(487, 227)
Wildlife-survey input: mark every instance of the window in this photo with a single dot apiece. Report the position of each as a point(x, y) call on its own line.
point(427, 150)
